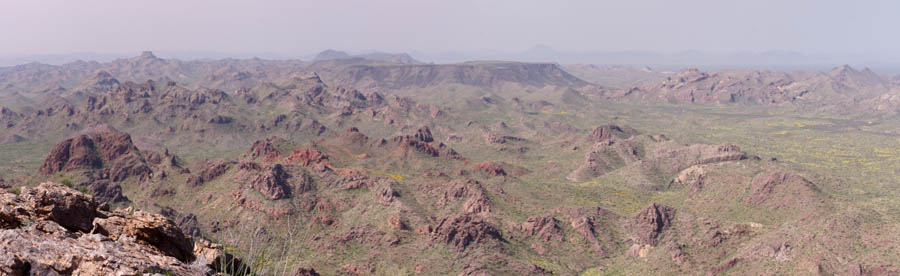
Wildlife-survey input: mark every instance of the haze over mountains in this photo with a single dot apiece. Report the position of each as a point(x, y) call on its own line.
point(781, 60)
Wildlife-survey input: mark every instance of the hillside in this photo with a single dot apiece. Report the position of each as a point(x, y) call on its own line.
point(353, 166)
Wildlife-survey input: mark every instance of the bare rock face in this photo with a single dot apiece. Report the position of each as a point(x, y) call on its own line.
point(424, 134)
point(73, 210)
point(262, 148)
point(150, 229)
point(123, 159)
point(674, 160)
point(478, 203)
point(67, 234)
point(647, 225)
point(693, 177)
point(546, 228)
point(462, 231)
point(272, 182)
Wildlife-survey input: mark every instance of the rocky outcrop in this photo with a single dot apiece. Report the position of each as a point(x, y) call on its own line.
point(112, 150)
point(693, 177)
point(149, 229)
point(545, 228)
point(70, 209)
point(262, 148)
point(68, 234)
point(424, 134)
point(272, 182)
point(208, 172)
point(607, 132)
point(605, 156)
point(462, 231)
point(673, 159)
point(308, 157)
point(491, 168)
point(584, 226)
point(647, 225)
point(423, 142)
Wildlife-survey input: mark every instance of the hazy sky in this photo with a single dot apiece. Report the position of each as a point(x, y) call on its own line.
point(301, 27)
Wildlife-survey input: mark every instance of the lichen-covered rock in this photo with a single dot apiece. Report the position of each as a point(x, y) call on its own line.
point(67, 234)
point(69, 208)
point(151, 229)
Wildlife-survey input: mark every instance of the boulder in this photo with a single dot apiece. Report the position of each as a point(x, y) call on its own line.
point(151, 229)
point(50, 201)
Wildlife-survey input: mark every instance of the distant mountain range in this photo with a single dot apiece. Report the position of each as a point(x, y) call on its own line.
point(781, 60)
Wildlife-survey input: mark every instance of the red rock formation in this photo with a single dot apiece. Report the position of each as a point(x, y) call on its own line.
point(209, 172)
point(491, 168)
point(123, 159)
point(262, 148)
point(272, 183)
point(462, 231)
point(308, 157)
point(546, 228)
point(478, 203)
point(647, 225)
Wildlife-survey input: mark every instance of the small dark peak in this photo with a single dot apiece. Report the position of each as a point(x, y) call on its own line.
point(331, 54)
point(351, 129)
point(424, 134)
point(101, 74)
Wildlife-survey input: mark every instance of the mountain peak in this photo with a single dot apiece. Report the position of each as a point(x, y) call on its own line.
point(147, 55)
point(331, 54)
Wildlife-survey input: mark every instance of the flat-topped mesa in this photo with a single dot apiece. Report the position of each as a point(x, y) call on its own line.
point(147, 55)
